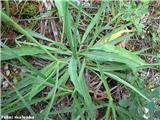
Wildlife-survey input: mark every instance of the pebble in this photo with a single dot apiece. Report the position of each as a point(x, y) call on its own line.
point(5, 84)
point(7, 73)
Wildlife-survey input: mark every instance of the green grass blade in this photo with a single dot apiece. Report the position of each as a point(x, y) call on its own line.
point(54, 90)
point(76, 26)
point(106, 27)
point(72, 69)
point(68, 31)
point(7, 7)
point(6, 19)
point(49, 48)
point(20, 51)
point(126, 84)
point(80, 83)
point(40, 36)
point(22, 60)
point(61, 6)
point(83, 11)
point(49, 71)
point(85, 90)
point(110, 57)
point(120, 51)
point(108, 93)
point(25, 103)
point(94, 21)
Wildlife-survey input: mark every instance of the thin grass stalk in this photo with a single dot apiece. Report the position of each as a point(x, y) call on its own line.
point(7, 7)
point(107, 91)
point(5, 18)
point(68, 31)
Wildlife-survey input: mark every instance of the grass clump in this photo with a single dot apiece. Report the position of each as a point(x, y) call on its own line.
point(85, 70)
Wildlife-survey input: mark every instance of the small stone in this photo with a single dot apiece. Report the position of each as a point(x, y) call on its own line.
point(7, 72)
point(5, 84)
point(16, 71)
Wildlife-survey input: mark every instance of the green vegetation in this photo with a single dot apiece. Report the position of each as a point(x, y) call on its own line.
point(104, 49)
